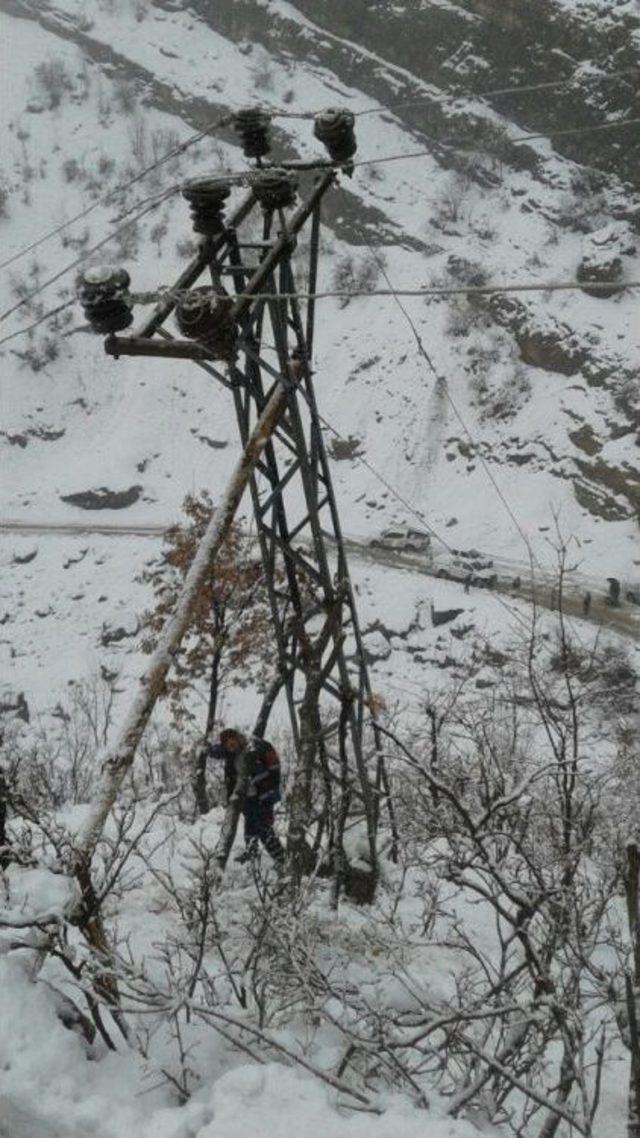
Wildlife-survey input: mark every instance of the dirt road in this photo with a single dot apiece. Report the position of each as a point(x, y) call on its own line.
point(509, 578)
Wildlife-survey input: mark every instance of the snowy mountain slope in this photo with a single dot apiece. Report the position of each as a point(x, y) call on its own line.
point(536, 391)
point(489, 45)
point(527, 412)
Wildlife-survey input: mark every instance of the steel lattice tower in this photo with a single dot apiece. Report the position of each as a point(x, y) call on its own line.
point(249, 303)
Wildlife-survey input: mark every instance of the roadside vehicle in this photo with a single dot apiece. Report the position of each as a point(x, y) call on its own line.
point(403, 540)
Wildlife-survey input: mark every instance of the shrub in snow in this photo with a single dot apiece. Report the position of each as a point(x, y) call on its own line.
point(72, 170)
point(602, 253)
point(264, 74)
point(54, 80)
point(44, 350)
point(356, 275)
point(465, 312)
point(451, 206)
point(125, 96)
point(487, 973)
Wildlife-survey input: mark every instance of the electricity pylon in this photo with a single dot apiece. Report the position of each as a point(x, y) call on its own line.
point(250, 306)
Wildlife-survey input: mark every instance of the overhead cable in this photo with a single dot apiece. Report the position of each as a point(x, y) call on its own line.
point(157, 201)
point(423, 352)
point(41, 319)
point(248, 176)
point(425, 355)
point(104, 199)
point(180, 148)
point(156, 296)
point(417, 513)
point(455, 95)
point(528, 90)
point(451, 144)
point(553, 84)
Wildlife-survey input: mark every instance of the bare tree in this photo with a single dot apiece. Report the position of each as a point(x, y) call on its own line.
point(230, 635)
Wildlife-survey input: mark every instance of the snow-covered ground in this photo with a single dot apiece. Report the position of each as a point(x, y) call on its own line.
point(114, 1097)
point(111, 1095)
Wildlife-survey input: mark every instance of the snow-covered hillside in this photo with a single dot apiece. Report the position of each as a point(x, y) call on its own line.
point(514, 426)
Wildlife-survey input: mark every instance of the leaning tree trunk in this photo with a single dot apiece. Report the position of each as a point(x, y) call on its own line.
point(5, 856)
point(200, 777)
point(266, 707)
point(299, 800)
point(120, 757)
point(339, 856)
point(632, 990)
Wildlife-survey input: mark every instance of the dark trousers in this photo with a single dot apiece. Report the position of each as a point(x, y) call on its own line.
point(258, 827)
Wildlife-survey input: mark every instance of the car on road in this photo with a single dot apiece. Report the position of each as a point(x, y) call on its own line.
point(402, 540)
point(472, 559)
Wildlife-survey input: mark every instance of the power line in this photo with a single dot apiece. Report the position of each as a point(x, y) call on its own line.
point(248, 176)
point(423, 352)
point(488, 94)
point(157, 295)
point(578, 130)
point(180, 148)
point(455, 95)
point(490, 476)
point(419, 515)
point(425, 355)
point(119, 189)
point(158, 200)
point(45, 316)
point(553, 85)
point(451, 144)
point(226, 120)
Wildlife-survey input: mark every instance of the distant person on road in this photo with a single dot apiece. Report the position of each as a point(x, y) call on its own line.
point(586, 604)
point(262, 789)
point(614, 592)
